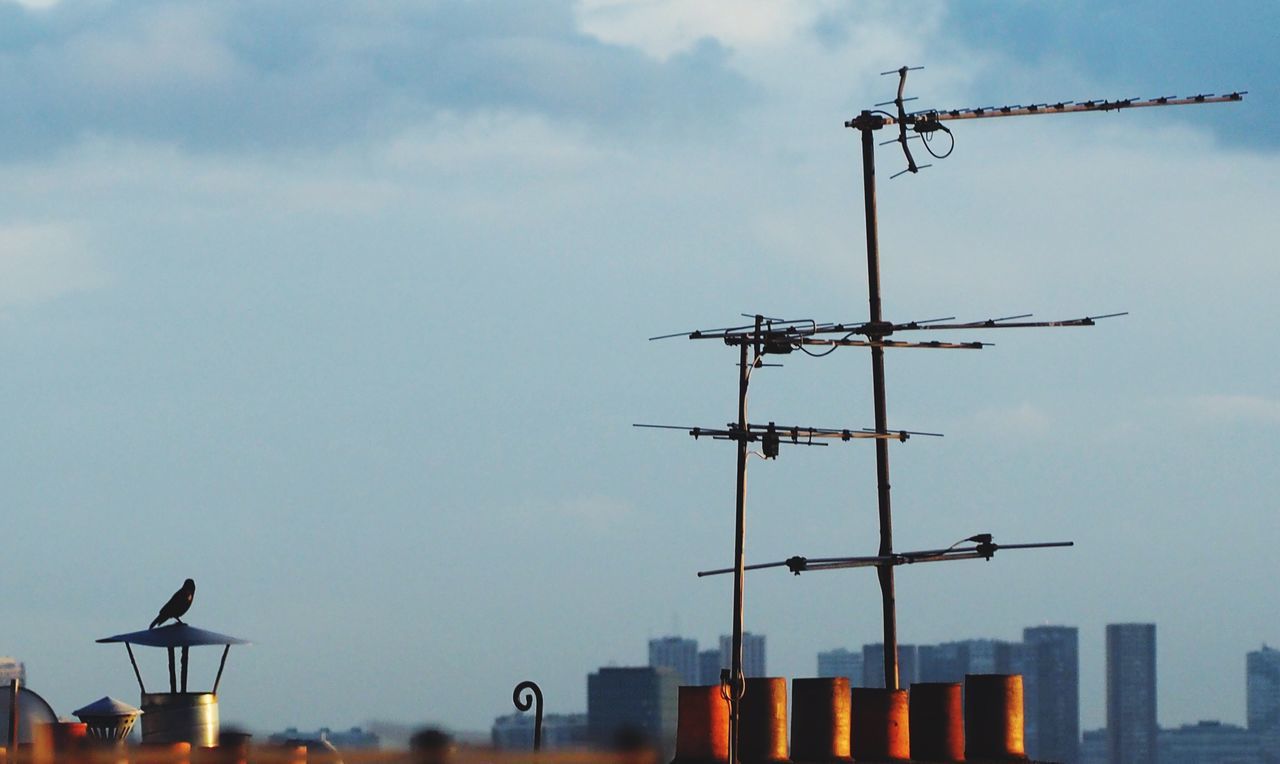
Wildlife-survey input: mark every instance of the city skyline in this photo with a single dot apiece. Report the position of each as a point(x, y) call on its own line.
point(344, 315)
point(1048, 659)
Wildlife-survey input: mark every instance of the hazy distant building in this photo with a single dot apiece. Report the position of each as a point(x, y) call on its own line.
point(753, 663)
point(709, 667)
point(990, 656)
point(632, 700)
point(1131, 693)
point(1262, 690)
point(1049, 661)
point(841, 662)
point(1210, 743)
point(11, 669)
point(514, 732)
point(343, 740)
point(677, 653)
point(1093, 747)
point(873, 665)
point(947, 662)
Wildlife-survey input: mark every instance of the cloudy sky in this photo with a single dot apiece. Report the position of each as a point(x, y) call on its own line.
point(340, 309)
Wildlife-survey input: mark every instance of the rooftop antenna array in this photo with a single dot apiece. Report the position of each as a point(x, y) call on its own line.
point(773, 336)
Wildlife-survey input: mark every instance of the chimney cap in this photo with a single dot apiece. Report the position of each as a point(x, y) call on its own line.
point(175, 635)
point(106, 706)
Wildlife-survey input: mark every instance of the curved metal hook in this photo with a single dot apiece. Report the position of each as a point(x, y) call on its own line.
point(523, 702)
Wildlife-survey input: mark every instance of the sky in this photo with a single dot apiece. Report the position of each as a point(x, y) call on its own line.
point(342, 310)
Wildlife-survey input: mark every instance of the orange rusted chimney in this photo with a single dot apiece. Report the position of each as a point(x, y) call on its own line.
point(762, 728)
point(162, 753)
point(820, 721)
point(993, 717)
point(702, 730)
point(937, 722)
point(880, 727)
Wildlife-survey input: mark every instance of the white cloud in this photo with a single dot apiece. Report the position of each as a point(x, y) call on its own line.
point(171, 47)
point(36, 5)
point(1224, 408)
point(43, 261)
point(663, 28)
point(598, 512)
point(1021, 421)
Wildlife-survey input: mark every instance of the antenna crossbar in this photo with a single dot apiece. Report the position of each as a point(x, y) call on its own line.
point(928, 116)
point(984, 549)
point(793, 435)
point(779, 338)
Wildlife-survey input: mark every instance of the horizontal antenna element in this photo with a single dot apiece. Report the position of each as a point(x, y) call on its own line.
point(927, 122)
point(772, 435)
point(984, 548)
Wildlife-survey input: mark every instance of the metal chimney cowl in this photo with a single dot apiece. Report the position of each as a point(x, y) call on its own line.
point(178, 716)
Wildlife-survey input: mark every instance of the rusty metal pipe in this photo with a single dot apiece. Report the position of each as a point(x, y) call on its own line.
point(820, 721)
point(763, 731)
point(702, 726)
point(993, 717)
point(880, 725)
point(937, 722)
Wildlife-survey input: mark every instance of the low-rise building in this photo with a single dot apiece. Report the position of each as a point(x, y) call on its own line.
point(514, 732)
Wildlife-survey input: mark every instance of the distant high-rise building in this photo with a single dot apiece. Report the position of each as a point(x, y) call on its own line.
point(1262, 688)
point(709, 667)
point(752, 653)
point(678, 653)
point(1131, 693)
point(1049, 661)
point(873, 665)
point(841, 662)
point(11, 669)
point(633, 701)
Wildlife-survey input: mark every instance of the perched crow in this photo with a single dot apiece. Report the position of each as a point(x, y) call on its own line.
point(177, 605)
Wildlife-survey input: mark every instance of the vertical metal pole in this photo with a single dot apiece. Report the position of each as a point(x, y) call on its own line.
point(221, 665)
point(133, 662)
point(173, 677)
point(736, 680)
point(867, 122)
point(14, 687)
point(184, 668)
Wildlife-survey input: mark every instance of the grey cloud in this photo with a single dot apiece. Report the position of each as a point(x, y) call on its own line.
point(271, 75)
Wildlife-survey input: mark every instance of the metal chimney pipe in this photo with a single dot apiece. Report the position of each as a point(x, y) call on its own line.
point(937, 722)
point(820, 721)
point(15, 685)
point(880, 725)
point(993, 717)
point(702, 728)
point(762, 731)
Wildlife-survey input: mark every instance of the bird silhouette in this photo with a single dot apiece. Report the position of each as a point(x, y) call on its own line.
point(177, 605)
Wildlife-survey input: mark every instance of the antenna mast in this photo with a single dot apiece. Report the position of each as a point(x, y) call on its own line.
point(925, 124)
point(772, 336)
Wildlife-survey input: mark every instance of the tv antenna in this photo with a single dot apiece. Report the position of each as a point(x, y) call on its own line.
point(925, 124)
point(769, 336)
point(754, 342)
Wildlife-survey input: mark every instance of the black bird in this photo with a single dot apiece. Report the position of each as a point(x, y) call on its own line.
point(177, 605)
